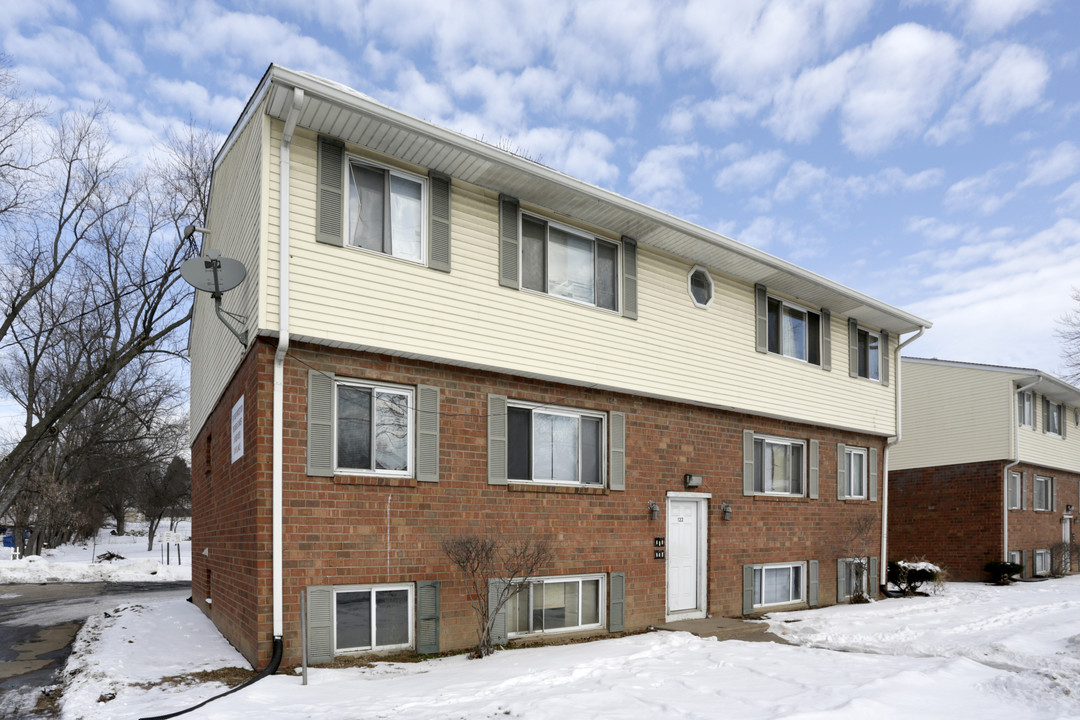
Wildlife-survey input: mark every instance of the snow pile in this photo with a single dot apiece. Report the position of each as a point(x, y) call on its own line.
point(923, 565)
point(78, 563)
point(973, 651)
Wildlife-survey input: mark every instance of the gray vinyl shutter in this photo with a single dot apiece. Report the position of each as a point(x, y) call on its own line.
point(427, 617)
point(761, 312)
point(873, 581)
point(841, 471)
point(1053, 493)
point(1062, 420)
point(509, 242)
point(826, 339)
point(1024, 562)
point(747, 589)
point(439, 227)
point(497, 440)
point(629, 278)
point(617, 602)
point(873, 474)
point(812, 584)
point(885, 358)
point(748, 462)
point(1024, 484)
point(617, 472)
point(842, 590)
point(320, 422)
point(1045, 413)
point(427, 433)
point(814, 452)
point(498, 632)
point(853, 347)
point(330, 203)
point(320, 624)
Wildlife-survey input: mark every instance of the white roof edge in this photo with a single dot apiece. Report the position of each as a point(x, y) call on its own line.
point(1033, 373)
point(350, 98)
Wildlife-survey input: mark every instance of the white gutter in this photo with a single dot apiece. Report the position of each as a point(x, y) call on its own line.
point(279, 355)
point(883, 566)
point(1016, 461)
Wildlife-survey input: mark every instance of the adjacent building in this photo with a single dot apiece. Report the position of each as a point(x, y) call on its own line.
point(442, 338)
point(988, 468)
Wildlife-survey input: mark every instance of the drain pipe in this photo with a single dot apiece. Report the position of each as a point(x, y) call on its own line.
point(1015, 461)
point(883, 566)
point(279, 356)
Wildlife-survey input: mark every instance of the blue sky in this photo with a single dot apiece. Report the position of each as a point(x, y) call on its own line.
point(923, 151)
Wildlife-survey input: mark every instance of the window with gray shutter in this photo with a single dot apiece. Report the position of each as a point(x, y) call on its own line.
point(812, 584)
point(320, 624)
point(427, 433)
point(826, 339)
point(427, 617)
point(330, 201)
point(630, 281)
point(853, 347)
point(320, 424)
point(748, 462)
point(509, 242)
point(873, 474)
point(1024, 484)
point(761, 315)
point(617, 472)
point(497, 440)
point(617, 602)
point(873, 579)
point(813, 469)
point(497, 619)
point(842, 589)
point(885, 358)
point(747, 589)
point(439, 223)
point(841, 471)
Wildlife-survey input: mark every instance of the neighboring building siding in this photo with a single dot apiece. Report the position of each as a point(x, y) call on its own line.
point(1049, 450)
point(953, 415)
point(335, 529)
point(675, 350)
point(950, 516)
point(234, 223)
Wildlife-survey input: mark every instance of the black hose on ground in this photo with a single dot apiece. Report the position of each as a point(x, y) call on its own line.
point(270, 669)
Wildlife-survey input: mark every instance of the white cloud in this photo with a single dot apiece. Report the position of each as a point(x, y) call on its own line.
point(766, 233)
point(659, 178)
point(986, 17)
point(827, 193)
point(582, 154)
point(1059, 164)
point(979, 192)
point(933, 229)
point(722, 113)
point(1069, 200)
point(139, 11)
point(194, 99)
point(752, 172)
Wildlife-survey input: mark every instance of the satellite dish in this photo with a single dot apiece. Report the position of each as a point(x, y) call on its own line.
point(212, 273)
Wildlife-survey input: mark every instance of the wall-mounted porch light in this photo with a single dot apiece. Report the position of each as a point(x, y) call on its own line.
point(692, 481)
point(654, 511)
point(725, 511)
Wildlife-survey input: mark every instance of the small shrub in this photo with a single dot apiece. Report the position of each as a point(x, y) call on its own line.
point(910, 576)
point(1002, 572)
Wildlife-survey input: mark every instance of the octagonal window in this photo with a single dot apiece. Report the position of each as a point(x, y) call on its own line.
point(701, 287)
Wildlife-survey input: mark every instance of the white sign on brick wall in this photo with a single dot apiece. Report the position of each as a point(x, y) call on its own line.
point(238, 429)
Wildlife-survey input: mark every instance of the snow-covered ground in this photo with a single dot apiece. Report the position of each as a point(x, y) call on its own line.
point(971, 651)
point(78, 563)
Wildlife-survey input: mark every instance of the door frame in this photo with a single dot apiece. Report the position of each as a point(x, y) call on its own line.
point(702, 500)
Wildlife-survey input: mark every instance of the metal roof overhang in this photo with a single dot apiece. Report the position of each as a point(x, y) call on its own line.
point(338, 111)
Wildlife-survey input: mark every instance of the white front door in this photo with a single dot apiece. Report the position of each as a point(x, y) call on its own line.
point(1066, 538)
point(684, 561)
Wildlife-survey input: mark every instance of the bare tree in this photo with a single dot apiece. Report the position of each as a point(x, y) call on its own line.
point(858, 545)
point(163, 490)
point(89, 267)
point(494, 573)
point(1068, 333)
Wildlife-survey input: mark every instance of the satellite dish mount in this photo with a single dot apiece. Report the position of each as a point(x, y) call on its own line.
point(216, 275)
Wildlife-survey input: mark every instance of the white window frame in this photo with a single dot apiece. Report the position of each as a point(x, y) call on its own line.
point(759, 579)
point(1048, 483)
point(849, 480)
point(527, 590)
point(576, 232)
point(1025, 408)
point(375, 387)
point(1015, 556)
point(708, 281)
point(1015, 491)
point(849, 569)
point(774, 440)
point(1054, 410)
point(783, 351)
point(1040, 562)
point(351, 160)
point(373, 588)
point(873, 370)
point(536, 408)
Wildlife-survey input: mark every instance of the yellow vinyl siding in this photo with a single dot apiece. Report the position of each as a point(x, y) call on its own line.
point(1048, 450)
point(234, 225)
point(675, 350)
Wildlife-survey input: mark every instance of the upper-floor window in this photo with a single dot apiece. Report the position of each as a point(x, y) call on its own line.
point(386, 211)
point(779, 466)
point(1025, 408)
point(374, 429)
point(700, 286)
point(855, 477)
point(1015, 488)
point(1043, 493)
point(555, 445)
point(567, 263)
point(794, 331)
point(869, 354)
point(1053, 417)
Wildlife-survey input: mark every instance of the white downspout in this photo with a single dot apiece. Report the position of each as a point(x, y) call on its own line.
point(1015, 432)
point(279, 355)
point(883, 566)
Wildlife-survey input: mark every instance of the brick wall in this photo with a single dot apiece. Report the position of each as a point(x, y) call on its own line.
point(1031, 529)
point(336, 530)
